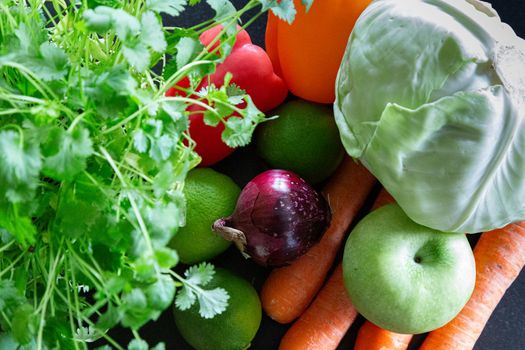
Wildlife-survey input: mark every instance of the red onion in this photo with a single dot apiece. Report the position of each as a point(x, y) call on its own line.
point(278, 217)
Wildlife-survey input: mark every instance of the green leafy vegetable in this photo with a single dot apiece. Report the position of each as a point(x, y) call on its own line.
point(93, 159)
point(170, 7)
point(283, 9)
point(223, 8)
point(151, 32)
point(307, 4)
point(52, 63)
point(65, 153)
point(20, 165)
point(211, 302)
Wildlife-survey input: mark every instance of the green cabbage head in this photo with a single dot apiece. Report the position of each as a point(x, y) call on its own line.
point(431, 99)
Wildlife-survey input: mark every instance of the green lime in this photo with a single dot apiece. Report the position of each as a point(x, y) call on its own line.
point(304, 139)
point(209, 196)
point(233, 329)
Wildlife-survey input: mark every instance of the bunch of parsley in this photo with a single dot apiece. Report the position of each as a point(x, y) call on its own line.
point(93, 158)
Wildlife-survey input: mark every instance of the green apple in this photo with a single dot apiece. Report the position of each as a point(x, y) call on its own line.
point(405, 277)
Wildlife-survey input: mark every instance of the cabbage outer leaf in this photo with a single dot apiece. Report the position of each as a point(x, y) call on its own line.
point(431, 99)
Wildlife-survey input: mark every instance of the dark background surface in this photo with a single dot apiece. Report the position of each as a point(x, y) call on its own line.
point(506, 328)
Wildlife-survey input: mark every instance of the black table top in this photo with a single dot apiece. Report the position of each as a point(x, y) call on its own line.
point(505, 329)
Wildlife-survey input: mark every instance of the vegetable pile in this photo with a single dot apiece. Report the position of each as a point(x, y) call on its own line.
point(106, 223)
point(93, 158)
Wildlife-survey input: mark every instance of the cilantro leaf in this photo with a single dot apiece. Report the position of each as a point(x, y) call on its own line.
point(135, 309)
point(187, 48)
point(212, 302)
point(307, 4)
point(99, 20)
point(20, 277)
point(104, 347)
point(161, 293)
point(140, 141)
point(239, 130)
point(53, 64)
point(170, 7)
point(7, 342)
point(151, 33)
point(21, 227)
point(81, 211)
point(218, 99)
point(29, 37)
point(175, 109)
point(166, 257)
point(235, 94)
point(124, 24)
point(164, 219)
point(66, 153)
point(57, 334)
point(185, 298)
point(138, 344)
point(86, 334)
point(136, 36)
point(24, 324)
point(26, 40)
point(108, 91)
point(284, 9)
point(108, 319)
point(211, 118)
point(162, 136)
point(138, 56)
point(127, 28)
point(10, 298)
point(169, 69)
point(162, 148)
point(164, 180)
point(152, 106)
point(200, 274)
point(222, 8)
point(19, 166)
point(114, 81)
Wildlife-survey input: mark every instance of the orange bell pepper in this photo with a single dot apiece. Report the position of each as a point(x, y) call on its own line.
point(307, 53)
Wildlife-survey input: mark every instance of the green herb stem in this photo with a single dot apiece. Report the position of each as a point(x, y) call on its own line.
point(12, 264)
point(7, 246)
point(70, 307)
point(42, 307)
point(132, 201)
point(143, 108)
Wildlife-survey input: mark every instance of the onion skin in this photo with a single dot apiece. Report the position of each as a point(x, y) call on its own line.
point(278, 217)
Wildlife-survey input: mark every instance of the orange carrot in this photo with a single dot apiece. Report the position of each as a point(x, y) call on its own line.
point(383, 198)
point(500, 256)
point(325, 322)
point(372, 337)
point(288, 290)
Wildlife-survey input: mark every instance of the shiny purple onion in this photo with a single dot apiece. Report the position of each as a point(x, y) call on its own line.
point(278, 217)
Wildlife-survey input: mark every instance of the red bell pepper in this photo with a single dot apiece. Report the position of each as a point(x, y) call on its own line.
point(252, 71)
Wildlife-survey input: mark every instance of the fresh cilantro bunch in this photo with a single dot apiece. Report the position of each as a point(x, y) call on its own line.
point(93, 158)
